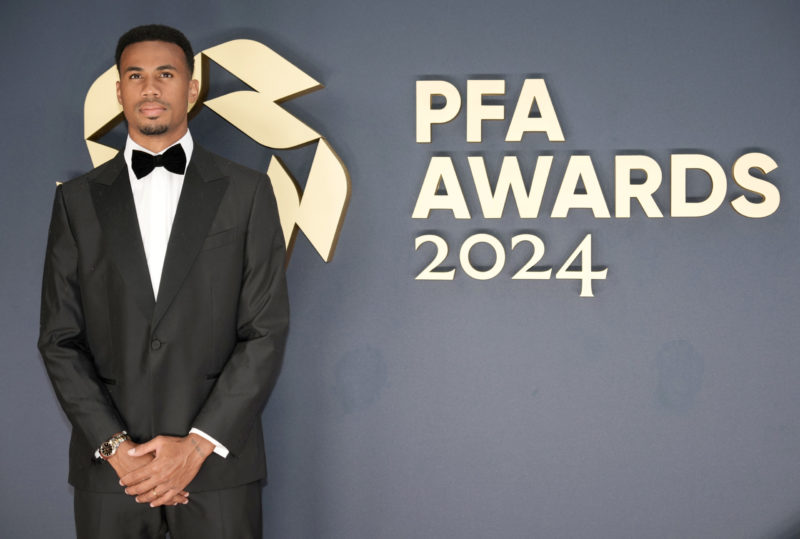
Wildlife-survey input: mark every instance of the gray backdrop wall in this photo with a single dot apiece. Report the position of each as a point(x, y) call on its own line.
point(667, 406)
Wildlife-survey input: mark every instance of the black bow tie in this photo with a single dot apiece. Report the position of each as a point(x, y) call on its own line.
point(174, 160)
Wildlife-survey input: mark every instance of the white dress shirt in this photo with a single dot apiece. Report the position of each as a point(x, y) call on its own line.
point(156, 198)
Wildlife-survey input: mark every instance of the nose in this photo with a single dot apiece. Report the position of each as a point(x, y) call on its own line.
point(150, 88)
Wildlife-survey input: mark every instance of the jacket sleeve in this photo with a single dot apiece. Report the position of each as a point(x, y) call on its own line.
point(62, 336)
point(245, 383)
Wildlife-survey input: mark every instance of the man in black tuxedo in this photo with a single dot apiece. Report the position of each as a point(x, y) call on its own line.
point(164, 317)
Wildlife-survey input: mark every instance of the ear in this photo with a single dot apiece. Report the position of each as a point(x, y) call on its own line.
point(119, 93)
point(194, 90)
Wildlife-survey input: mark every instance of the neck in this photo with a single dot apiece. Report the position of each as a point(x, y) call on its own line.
point(156, 143)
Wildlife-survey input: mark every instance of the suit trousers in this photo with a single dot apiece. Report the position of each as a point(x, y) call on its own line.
point(233, 513)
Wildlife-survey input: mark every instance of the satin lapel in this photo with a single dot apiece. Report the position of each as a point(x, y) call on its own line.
point(116, 211)
point(202, 192)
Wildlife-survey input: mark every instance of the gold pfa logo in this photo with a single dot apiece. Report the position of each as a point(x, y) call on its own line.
point(319, 209)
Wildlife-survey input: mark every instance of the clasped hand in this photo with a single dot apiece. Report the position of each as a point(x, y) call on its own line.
point(158, 471)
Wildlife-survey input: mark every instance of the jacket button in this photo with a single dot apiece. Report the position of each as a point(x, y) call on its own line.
point(155, 344)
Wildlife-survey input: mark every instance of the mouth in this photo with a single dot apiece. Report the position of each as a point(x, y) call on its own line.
point(151, 109)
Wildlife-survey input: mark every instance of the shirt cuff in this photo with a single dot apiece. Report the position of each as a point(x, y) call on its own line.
point(219, 449)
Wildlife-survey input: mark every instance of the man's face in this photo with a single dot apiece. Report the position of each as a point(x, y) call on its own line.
point(154, 89)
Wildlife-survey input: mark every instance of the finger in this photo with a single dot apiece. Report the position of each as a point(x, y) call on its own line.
point(145, 448)
point(178, 500)
point(149, 497)
point(137, 476)
point(144, 488)
point(165, 498)
point(129, 482)
point(154, 493)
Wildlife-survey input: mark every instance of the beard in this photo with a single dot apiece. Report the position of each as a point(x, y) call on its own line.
point(152, 130)
point(148, 128)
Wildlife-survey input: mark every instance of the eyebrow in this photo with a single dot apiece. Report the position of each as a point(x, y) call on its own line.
point(165, 67)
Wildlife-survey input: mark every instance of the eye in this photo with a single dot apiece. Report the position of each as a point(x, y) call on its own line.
point(166, 75)
point(134, 76)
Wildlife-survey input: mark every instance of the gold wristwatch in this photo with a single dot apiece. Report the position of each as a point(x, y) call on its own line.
point(108, 448)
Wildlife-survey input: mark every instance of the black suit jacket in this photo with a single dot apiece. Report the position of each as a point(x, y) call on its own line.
point(205, 355)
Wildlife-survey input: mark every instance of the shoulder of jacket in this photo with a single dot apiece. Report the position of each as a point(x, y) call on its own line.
point(110, 167)
point(231, 169)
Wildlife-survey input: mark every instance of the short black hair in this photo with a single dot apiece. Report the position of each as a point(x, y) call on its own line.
point(156, 32)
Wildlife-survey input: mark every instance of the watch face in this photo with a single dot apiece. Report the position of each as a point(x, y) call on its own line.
point(106, 449)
